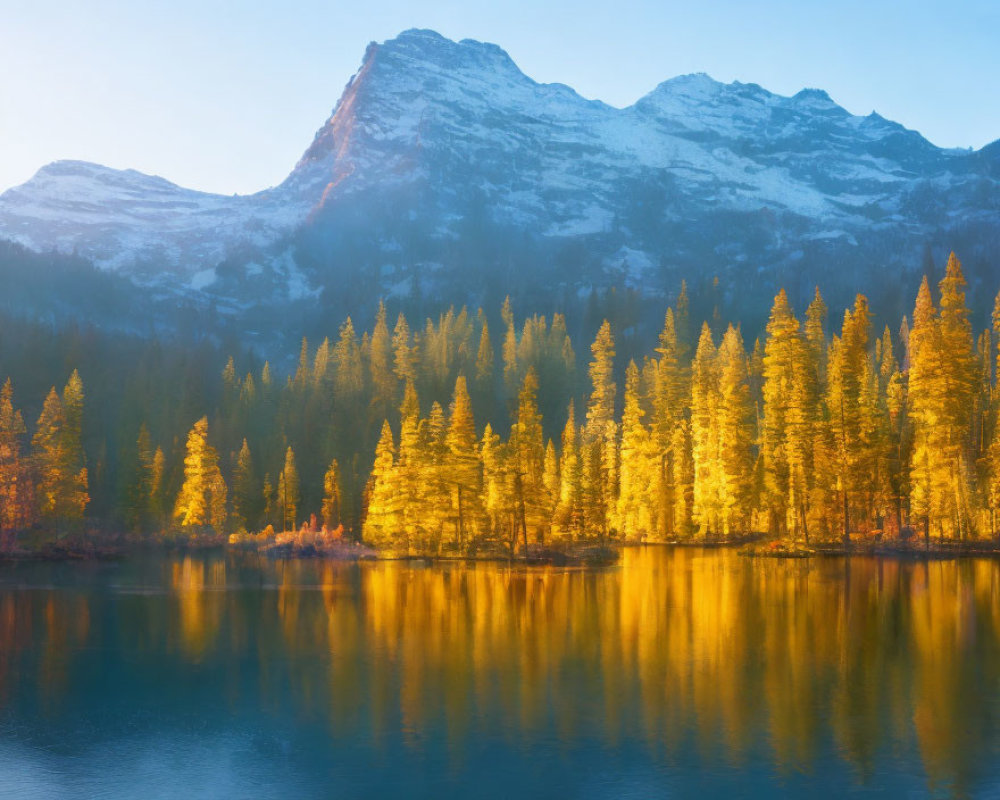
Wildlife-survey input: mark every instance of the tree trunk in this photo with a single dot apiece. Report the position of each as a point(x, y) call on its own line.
point(847, 519)
point(899, 513)
point(524, 519)
point(460, 520)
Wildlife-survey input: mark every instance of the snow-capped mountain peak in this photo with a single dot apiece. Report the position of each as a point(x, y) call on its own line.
point(441, 153)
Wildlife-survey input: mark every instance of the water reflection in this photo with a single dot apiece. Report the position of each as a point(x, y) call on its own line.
point(685, 660)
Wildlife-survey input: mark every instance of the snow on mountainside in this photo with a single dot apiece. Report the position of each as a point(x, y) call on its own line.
point(124, 219)
point(444, 166)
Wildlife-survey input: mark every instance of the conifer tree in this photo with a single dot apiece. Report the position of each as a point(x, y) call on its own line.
point(140, 512)
point(404, 353)
point(670, 395)
point(682, 480)
point(75, 493)
point(528, 454)
point(463, 467)
point(569, 511)
point(202, 499)
point(46, 447)
point(288, 492)
point(924, 351)
point(301, 379)
point(483, 387)
point(332, 497)
point(229, 382)
point(635, 515)
point(246, 492)
point(940, 395)
point(410, 481)
point(851, 413)
point(380, 361)
point(959, 378)
point(593, 482)
point(550, 479)
point(484, 359)
point(58, 455)
point(383, 525)
point(682, 319)
point(267, 497)
point(601, 409)
point(736, 435)
point(511, 373)
point(706, 445)
point(321, 362)
point(435, 490)
point(156, 485)
point(601, 432)
point(16, 496)
point(496, 484)
point(349, 380)
point(790, 412)
point(815, 333)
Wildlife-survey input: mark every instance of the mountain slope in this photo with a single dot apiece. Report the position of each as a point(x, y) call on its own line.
point(444, 171)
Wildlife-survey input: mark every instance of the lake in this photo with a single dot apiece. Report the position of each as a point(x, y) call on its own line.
point(678, 672)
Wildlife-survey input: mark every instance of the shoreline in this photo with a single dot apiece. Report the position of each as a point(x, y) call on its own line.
point(584, 555)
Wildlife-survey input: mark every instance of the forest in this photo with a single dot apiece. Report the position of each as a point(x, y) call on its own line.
point(461, 438)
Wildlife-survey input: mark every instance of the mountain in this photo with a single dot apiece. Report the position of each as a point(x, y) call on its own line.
point(446, 173)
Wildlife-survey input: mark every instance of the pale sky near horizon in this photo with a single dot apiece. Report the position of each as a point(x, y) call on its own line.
point(225, 96)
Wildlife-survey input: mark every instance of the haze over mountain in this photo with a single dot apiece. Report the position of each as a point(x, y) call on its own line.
point(446, 173)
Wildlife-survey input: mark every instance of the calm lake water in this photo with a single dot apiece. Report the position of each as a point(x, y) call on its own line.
point(680, 672)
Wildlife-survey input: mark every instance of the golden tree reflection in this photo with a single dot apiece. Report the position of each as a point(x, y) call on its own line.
point(679, 652)
point(196, 585)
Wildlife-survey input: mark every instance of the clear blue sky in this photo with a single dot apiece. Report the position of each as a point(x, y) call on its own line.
point(225, 96)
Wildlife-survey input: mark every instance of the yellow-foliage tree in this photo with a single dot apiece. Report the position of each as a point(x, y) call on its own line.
point(202, 498)
point(57, 453)
point(16, 486)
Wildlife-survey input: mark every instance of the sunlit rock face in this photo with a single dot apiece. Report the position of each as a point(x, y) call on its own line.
point(446, 172)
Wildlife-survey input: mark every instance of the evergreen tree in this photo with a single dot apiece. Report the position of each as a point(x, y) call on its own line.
point(380, 363)
point(601, 432)
point(16, 490)
point(268, 500)
point(706, 442)
point(463, 465)
point(636, 512)
point(940, 395)
point(383, 523)
point(202, 499)
point(790, 413)
point(569, 510)
point(736, 425)
point(497, 485)
point(851, 413)
point(404, 353)
point(289, 492)
point(332, 496)
point(601, 410)
point(815, 333)
point(670, 395)
point(140, 512)
point(682, 480)
point(511, 373)
point(959, 380)
point(246, 492)
point(58, 454)
point(484, 360)
point(528, 453)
